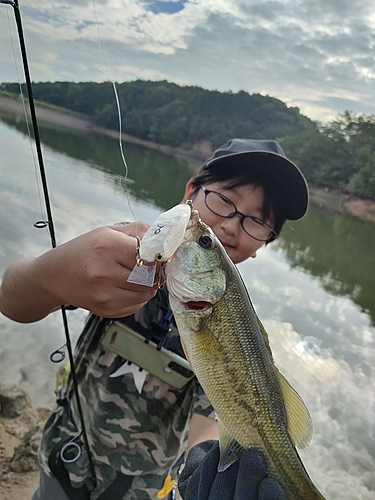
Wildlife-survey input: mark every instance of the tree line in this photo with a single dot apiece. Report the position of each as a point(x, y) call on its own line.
point(340, 154)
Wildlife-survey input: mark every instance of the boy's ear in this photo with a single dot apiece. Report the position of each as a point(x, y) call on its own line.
point(189, 190)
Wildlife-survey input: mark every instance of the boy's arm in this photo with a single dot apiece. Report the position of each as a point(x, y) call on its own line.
point(90, 271)
point(201, 429)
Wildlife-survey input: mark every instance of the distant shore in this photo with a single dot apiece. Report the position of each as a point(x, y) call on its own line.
point(73, 121)
point(337, 201)
point(332, 199)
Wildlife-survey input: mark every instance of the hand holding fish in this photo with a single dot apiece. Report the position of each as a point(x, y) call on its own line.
point(245, 480)
point(89, 271)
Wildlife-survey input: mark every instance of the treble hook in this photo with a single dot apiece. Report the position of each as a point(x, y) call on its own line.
point(58, 355)
point(138, 259)
point(161, 278)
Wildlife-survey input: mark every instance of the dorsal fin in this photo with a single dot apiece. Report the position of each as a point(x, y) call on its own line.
point(300, 426)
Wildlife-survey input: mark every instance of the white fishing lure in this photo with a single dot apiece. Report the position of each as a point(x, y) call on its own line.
point(159, 243)
point(165, 235)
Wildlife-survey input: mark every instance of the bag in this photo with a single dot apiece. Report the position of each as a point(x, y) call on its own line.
point(134, 348)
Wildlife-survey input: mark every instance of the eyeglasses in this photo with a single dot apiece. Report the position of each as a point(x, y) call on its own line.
point(223, 207)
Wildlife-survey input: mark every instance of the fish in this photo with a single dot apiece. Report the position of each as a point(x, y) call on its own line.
point(229, 352)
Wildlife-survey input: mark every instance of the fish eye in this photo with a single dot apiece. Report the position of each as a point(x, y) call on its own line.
point(206, 242)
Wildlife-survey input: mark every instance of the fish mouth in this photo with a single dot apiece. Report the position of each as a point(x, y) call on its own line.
point(197, 305)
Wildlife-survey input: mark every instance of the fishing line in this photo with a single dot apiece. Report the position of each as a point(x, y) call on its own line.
point(37, 176)
point(125, 178)
point(49, 222)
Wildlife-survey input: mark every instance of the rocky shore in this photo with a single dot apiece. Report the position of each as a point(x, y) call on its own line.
point(337, 201)
point(21, 426)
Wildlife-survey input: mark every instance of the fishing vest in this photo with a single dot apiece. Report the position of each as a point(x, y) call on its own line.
point(153, 423)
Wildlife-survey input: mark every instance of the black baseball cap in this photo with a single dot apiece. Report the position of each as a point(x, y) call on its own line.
point(271, 163)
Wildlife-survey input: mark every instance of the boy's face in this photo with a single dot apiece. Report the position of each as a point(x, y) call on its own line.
point(248, 200)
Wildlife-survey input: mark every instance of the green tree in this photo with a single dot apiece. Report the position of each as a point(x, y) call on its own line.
point(363, 181)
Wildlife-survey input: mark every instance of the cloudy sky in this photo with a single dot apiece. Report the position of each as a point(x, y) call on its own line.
point(314, 54)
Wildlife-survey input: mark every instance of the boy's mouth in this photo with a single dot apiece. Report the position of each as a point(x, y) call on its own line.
point(227, 246)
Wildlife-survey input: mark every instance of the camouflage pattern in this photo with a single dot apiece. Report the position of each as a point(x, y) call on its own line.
point(141, 435)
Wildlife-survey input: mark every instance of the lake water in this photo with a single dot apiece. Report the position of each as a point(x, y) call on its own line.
point(313, 288)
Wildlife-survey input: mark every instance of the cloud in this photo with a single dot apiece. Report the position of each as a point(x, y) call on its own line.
point(317, 55)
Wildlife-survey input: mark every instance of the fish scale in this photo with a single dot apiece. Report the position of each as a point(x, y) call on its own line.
point(228, 350)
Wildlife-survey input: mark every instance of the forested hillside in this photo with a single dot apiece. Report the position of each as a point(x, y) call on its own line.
point(340, 154)
point(178, 116)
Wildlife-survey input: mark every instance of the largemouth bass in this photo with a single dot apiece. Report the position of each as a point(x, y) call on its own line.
point(229, 352)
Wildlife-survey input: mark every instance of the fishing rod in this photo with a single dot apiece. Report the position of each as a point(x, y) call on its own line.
point(50, 224)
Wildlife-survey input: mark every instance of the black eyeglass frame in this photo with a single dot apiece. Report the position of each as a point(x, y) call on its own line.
point(272, 234)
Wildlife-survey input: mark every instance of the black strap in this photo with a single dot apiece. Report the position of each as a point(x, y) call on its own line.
point(61, 474)
point(115, 491)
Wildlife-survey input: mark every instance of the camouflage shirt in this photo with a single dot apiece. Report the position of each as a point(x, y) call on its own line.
point(141, 435)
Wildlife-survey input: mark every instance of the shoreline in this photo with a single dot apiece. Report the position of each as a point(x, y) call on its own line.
point(333, 200)
point(195, 157)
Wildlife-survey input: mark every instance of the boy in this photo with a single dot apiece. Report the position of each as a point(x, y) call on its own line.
point(139, 426)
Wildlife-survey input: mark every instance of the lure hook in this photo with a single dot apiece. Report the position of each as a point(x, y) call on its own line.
point(161, 278)
point(138, 259)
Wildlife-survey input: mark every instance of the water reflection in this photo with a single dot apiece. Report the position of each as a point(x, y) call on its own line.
point(337, 249)
point(151, 172)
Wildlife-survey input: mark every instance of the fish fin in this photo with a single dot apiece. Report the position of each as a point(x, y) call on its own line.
point(299, 421)
point(230, 449)
point(300, 425)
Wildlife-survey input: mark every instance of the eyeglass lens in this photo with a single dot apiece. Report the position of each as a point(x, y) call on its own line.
point(223, 207)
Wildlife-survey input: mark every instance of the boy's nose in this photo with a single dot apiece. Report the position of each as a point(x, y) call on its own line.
point(232, 225)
